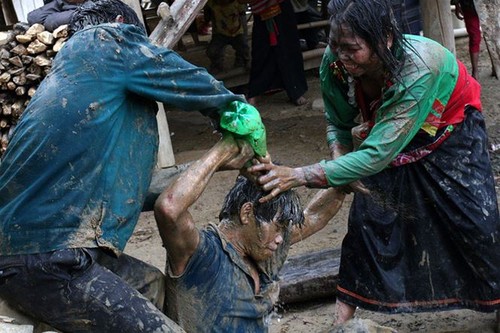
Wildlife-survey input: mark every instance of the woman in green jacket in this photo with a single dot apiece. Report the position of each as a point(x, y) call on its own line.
point(406, 133)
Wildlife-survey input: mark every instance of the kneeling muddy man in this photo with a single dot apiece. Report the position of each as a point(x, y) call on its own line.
point(77, 170)
point(223, 278)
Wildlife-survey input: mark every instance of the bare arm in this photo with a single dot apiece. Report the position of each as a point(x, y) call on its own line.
point(322, 207)
point(175, 223)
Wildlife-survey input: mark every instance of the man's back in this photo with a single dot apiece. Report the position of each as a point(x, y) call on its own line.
point(66, 177)
point(81, 158)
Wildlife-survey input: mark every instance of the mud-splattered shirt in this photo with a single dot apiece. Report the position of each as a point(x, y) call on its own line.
point(434, 91)
point(80, 162)
point(216, 291)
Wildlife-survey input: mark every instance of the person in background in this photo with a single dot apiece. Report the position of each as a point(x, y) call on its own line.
point(223, 278)
point(228, 19)
point(407, 14)
point(304, 13)
point(407, 134)
point(54, 13)
point(466, 11)
point(277, 62)
point(77, 170)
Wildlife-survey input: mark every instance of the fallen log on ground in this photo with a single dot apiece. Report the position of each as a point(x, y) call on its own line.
point(309, 276)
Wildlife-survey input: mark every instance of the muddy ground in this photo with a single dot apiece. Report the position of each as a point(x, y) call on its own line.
point(296, 137)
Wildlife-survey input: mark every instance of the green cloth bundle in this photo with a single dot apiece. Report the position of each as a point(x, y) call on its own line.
point(243, 120)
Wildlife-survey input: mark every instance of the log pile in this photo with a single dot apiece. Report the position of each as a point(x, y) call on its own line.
point(26, 54)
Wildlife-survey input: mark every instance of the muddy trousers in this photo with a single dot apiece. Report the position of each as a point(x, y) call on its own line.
point(86, 290)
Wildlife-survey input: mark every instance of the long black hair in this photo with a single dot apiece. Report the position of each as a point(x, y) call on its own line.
point(285, 207)
point(374, 22)
point(95, 12)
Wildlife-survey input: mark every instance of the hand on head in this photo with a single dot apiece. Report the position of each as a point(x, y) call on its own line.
point(253, 176)
point(276, 178)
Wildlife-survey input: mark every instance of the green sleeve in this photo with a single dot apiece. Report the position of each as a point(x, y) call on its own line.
point(406, 105)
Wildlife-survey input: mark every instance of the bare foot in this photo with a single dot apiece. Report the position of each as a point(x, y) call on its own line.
point(300, 101)
point(344, 312)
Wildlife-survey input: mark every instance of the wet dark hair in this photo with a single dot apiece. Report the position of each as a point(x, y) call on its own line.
point(94, 12)
point(286, 205)
point(374, 22)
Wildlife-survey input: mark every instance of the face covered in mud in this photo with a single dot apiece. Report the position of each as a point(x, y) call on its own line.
point(354, 52)
point(366, 38)
point(265, 237)
point(266, 224)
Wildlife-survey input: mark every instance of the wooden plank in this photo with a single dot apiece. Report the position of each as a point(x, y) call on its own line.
point(136, 6)
point(23, 7)
point(437, 22)
point(14, 328)
point(165, 152)
point(9, 12)
point(175, 20)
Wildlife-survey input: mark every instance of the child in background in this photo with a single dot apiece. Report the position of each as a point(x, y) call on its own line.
point(228, 28)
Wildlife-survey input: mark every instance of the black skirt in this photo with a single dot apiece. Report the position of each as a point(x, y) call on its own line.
point(280, 66)
point(428, 235)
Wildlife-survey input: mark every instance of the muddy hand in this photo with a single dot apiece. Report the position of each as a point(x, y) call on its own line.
point(276, 178)
point(243, 153)
point(256, 160)
point(263, 159)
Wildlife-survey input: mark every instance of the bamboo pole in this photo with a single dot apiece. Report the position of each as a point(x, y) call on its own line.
point(437, 22)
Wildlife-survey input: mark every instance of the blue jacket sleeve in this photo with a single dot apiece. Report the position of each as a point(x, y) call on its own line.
point(161, 74)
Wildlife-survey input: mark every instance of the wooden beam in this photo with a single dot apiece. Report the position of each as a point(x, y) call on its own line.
point(175, 20)
point(9, 13)
point(437, 22)
point(136, 6)
point(166, 156)
point(309, 276)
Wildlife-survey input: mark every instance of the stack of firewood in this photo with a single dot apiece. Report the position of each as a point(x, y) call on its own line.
point(26, 55)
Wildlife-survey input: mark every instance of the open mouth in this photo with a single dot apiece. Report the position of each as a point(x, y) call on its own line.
point(351, 67)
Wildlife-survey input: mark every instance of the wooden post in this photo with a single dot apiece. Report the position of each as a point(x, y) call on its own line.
point(489, 16)
point(437, 22)
point(8, 11)
point(136, 6)
point(175, 20)
point(165, 152)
